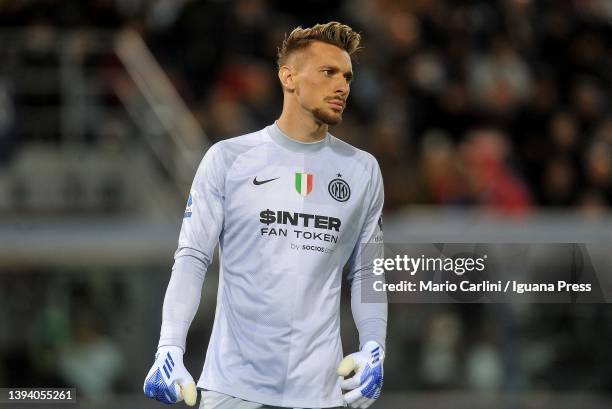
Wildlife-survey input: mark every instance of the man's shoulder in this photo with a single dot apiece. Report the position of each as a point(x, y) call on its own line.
point(350, 152)
point(229, 149)
point(242, 142)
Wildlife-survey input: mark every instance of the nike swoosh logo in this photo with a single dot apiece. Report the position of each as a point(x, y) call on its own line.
point(261, 182)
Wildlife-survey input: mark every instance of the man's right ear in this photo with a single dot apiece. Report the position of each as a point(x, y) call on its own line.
point(287, 77)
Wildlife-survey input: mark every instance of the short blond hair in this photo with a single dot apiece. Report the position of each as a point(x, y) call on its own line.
point(333, 33)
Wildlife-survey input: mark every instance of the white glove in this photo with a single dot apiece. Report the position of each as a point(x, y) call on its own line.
point(364, 387)
point(168, 381)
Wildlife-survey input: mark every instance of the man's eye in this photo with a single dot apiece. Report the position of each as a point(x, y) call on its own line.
point(327, 72)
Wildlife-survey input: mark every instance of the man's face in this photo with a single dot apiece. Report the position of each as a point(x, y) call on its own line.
point(322, 81)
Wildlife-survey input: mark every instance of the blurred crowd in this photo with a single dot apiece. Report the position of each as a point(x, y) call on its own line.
point(501, 104)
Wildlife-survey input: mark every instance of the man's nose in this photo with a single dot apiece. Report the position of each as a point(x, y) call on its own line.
point(342, 87)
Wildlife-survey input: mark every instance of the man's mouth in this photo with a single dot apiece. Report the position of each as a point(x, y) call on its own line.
point(337, 104)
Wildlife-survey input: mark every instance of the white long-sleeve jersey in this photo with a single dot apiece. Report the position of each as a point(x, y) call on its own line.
point(288, 217)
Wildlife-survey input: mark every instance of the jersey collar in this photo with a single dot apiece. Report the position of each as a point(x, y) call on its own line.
point(283, 140)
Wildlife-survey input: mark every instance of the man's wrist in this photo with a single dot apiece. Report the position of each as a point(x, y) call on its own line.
point(371, 345)
point(173, 349)
point(374, 349)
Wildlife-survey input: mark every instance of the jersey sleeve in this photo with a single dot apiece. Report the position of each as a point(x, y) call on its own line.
point(370, 317)
point(202, 225)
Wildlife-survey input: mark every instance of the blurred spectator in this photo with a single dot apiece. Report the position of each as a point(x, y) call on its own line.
point(7, 121)
point(484, 368)
point(440, 364)
point(500, 80)
point(598, 163)
point(489, 181)
point(441, 170)
point(90, 360)
point(559, 183)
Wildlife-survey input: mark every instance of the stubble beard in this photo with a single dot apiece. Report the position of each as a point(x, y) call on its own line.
point(326, 118)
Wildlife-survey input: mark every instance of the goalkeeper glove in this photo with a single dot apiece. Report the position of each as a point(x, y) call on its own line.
point(364, 387)
point(168, 381)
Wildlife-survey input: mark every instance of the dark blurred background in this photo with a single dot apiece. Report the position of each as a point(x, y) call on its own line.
point(491, 121)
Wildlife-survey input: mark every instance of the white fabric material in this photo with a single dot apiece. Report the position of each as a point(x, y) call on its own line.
point(276, 335)
point(216, 400)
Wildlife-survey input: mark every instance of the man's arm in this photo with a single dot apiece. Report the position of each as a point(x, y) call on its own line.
point(202, 224)
point(370, 317)
point(168, 381)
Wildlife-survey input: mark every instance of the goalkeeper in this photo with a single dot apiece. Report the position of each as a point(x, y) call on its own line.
point(290, 205)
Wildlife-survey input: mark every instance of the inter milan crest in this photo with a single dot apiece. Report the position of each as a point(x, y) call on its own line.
point(339, 189)
point(304, 183)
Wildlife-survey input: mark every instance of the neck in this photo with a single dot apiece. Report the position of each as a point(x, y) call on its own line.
point(300, 125)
